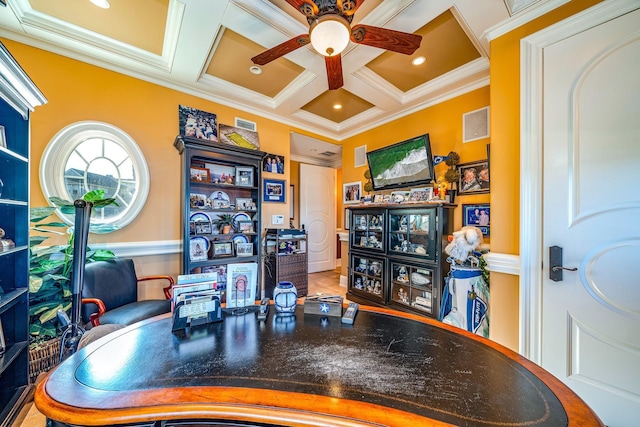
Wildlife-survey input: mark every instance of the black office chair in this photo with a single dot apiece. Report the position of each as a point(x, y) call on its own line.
point(110, 294)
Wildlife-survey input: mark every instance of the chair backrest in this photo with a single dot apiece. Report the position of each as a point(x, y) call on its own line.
point(114, 282)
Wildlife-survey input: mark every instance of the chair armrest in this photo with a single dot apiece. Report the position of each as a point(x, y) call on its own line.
point(166, 290)
point(95, 317)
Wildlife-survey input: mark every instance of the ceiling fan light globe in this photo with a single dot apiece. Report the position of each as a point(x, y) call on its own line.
point(104, 4)
point(330, 35)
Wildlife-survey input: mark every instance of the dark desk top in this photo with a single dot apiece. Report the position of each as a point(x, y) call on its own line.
point(387, 369)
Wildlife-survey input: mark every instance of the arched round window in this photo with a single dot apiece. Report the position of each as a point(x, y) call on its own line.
point(87, 156)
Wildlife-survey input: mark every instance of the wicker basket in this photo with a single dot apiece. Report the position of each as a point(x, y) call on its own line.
point(43, 357)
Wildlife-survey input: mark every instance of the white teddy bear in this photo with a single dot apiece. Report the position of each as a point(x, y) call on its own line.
point(465, 241)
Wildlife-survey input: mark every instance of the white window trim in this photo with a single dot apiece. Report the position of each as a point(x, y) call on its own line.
point(65, 142)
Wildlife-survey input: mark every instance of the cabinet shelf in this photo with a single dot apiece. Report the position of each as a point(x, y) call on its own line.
point(9, 299)
point(11, 353)
point(6, 152)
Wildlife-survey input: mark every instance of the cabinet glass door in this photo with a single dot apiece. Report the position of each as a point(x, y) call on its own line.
point(367, 230)
point(412, 286)
point(367, 277)
point(413, 232)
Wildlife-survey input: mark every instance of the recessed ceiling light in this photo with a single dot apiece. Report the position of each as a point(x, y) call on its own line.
point(101, 3)
point(337, 106)
point(313, 150)
point(255, 69)
point(419, 60)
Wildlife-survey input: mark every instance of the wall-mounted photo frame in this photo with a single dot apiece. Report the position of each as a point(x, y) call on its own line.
point(244, 176)
point(3, 137)
point(477, 215)
point(238, 136)
point(351, 192)
point(273, 190)
point(222, 249)
point(273, 163)
point(199, 174)
point(347, 218)
point(244, 249)
point(292, 193)
point(474, 178)
point(475, 125)
point(197, 123)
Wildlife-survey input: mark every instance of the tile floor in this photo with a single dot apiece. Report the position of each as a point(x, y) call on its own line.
point(323, 283)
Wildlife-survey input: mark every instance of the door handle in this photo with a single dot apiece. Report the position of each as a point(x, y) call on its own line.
point(555, 262)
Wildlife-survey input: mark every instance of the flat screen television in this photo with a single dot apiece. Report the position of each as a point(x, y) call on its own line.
point(404, 164)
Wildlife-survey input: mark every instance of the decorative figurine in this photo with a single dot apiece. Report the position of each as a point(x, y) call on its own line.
point(402, 295)
point(403, 276)
point(5, 244)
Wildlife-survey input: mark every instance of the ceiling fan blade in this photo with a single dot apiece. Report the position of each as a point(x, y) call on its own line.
point(349, 7)
point(306, 7)
point(383, 38)
point(334, 71)
point(281, 50)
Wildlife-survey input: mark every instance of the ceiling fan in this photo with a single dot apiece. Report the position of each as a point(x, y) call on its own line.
point(330, 31)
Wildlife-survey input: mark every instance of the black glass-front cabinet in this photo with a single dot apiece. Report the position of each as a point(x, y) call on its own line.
point(396, 255)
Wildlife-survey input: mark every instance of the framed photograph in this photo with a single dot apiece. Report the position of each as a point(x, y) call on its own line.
point(378, 198)
point(203, 227)
point(198, 248)
point(242, 284)
point(199, 174)
point(3, 137)
point(351, 192)
point(244, 226)
point(273, 190)
point(400, 196)
point(421, 194)
point(197, 123)
point(221, 270)
point(221, 174)
point(198, 200)
point(273, 163)
point(222, 249)
point(244, 249)
point(238, 136)
point(244, 176)
point(478, 215)
point(474, 178)
point(245, 204)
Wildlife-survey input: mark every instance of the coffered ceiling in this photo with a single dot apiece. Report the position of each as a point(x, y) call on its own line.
point(204, 47)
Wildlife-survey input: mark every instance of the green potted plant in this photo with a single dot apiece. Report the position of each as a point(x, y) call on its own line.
point(50, 270)
point(224, 222)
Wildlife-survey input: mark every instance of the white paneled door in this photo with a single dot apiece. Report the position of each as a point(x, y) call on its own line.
point(590, 331)
point(318, 214)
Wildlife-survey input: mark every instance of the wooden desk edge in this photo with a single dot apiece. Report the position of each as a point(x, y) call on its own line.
point(282, 408)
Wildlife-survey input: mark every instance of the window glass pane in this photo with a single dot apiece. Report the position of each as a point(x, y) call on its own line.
point(97, 156)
